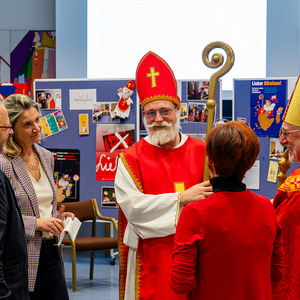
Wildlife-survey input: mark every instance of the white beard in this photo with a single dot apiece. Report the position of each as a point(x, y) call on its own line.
point(63, 183)
point(125, 93)
point(163, 135)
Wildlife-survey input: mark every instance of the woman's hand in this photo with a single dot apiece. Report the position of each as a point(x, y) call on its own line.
point(69, 214)
point(52, 225)
point(66, 214)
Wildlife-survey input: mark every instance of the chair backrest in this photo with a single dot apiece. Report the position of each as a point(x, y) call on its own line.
point(87, 210)
point(101, 217)
point(83, 210)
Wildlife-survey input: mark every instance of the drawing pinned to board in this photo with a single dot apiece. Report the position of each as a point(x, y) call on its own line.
point(48, 98)
point(268, 98)
point(82, 98)
point(111, 139)
point(53, 123)
point(84, 124)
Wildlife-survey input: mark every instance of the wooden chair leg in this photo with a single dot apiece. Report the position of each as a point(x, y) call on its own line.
point(107, 234)
point(92, 265)
point(74, 286)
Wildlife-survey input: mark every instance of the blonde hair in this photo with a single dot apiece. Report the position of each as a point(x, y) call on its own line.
point(15, 105)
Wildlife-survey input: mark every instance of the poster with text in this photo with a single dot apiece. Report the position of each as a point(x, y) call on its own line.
point(111, 139)
point(53, 123)
point(66, 174)
point(268, 99)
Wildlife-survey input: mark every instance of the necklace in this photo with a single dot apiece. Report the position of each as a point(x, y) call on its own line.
point(34, 166)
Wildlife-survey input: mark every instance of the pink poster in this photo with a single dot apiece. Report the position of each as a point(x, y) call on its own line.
point(111, 139)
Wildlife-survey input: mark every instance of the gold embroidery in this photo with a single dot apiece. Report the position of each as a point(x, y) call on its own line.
point(137, 275)
point(160, 97)
point(128, 168)
point(177, 209)
point(153, 75)
point(121, 257)
point(179, 186)
point(170, 70)
point(291, 184)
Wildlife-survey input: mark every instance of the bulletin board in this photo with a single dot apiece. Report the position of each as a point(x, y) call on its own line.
point(261, 103)
point(71, 97)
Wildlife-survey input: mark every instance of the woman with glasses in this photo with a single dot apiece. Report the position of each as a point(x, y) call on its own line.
point(229, 245)
point(29, 168)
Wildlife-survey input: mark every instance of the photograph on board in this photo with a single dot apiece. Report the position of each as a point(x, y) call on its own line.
point(48, 98)
point(276, 150)
point(108, 198)
point(198, 90)
point(103, 112)
point(197, 112)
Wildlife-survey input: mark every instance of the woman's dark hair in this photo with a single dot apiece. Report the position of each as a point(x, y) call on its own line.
point(232, 148)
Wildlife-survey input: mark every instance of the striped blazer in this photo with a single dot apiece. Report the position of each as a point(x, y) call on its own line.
point(18, 176)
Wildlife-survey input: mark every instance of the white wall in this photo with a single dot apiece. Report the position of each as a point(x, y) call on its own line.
point(27, 15)
point(283, 55)
point(71, 38)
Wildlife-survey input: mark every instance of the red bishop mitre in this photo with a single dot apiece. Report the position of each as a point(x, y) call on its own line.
point(130, 85)
point(155, 80)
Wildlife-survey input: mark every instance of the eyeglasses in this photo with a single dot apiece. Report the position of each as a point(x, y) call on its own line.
point(8, 128)
point(286, 132)
point(163, 112)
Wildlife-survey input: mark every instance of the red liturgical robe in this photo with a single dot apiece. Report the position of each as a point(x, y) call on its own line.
point(156, 171)
point(287, 205)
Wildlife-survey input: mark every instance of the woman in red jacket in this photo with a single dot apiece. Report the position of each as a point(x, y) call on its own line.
point(229, 245)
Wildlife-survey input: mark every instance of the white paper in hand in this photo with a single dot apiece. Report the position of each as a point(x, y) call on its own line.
point(71, 228)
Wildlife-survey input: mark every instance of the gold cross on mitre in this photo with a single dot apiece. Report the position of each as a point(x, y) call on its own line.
point(153, 75)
